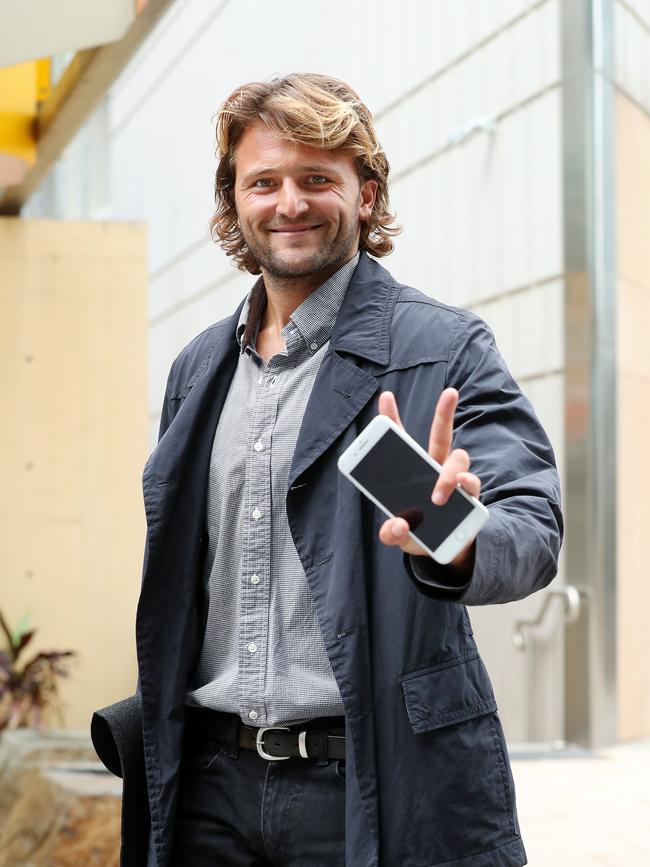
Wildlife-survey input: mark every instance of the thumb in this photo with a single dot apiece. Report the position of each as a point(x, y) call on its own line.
point(388, 406)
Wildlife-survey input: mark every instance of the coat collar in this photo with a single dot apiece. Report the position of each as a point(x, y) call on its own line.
point(363, 324)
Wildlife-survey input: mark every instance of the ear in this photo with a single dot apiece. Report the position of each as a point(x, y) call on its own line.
point(367, 196)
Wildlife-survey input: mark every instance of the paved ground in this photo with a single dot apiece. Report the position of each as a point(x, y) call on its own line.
point(585, 809)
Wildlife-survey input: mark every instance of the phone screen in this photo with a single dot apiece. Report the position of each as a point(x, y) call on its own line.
point(399, 478)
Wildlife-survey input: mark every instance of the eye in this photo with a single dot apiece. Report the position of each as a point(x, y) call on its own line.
point(263, 182)
point(318, 179)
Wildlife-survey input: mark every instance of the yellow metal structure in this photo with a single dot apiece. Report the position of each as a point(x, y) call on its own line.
point(22, 90)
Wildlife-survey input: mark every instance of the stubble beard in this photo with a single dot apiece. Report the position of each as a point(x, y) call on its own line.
point(336, 250)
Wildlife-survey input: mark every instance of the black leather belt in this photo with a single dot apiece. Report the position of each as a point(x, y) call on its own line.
point(320, 739)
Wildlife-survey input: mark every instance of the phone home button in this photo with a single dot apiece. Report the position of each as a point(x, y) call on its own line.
point(461, 535)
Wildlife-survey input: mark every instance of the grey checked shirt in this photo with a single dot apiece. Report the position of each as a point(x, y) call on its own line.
point(263, 656)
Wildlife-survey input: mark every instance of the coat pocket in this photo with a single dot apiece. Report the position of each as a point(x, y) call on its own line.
point(448, 693)
point(452, 786)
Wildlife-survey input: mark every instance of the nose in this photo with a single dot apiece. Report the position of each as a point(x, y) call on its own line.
point(292, 201)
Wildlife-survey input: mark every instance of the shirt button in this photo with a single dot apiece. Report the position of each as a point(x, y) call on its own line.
point(255, 579)
point(252, 714)
point(252, 647)
point(257, 514)
point(313, 346)
point(258, 446)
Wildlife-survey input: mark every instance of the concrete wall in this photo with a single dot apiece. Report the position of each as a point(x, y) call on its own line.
point(632, 112)
point(72, 444)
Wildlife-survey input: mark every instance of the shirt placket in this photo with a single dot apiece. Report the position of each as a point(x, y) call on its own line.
point(255, 591)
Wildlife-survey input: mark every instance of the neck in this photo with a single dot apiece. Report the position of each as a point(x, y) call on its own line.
point(286, 294)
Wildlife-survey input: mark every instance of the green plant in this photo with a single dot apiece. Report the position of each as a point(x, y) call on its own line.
point(30, 690)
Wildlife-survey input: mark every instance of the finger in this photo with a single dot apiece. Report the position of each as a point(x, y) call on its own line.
point(388, 406)
point(442, 427)
point(457, 462)
point(395, 531)
point(470, 483)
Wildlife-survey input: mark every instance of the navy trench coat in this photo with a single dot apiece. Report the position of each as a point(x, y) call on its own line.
point(428, 778)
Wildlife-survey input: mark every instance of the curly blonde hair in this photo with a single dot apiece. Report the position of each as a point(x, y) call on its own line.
point(309, 109)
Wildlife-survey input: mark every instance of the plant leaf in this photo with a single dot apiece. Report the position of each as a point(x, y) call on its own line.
point(23, 641)
point(23, 625)
point(27, 691)
point(7, 632)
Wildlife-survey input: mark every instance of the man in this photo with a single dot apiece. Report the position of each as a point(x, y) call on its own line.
point(311, 690)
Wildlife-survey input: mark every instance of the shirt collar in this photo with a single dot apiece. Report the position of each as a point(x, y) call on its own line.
point(314, 318)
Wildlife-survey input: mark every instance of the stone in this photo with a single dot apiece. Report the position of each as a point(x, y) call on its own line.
point(59, 807)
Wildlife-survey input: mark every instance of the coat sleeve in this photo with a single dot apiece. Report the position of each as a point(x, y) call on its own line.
point(517, 550)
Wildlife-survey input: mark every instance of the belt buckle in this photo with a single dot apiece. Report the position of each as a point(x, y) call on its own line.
point(260, 743)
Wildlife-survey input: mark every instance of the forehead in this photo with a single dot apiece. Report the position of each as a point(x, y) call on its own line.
point(261, 147)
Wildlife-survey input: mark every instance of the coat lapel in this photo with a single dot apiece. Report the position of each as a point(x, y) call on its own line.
point(340, 392)
point(343, 387)
point(183, 453)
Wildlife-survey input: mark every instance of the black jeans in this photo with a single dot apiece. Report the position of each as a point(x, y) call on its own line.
point(238, 810)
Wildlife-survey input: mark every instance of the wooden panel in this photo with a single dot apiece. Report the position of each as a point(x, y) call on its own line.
point(73, 331)
point(633, 585)
point(633, 265)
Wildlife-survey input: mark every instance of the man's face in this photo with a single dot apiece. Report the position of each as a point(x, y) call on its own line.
point(299, 207)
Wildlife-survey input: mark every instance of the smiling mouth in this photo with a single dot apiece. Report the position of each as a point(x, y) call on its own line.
point(294, 230)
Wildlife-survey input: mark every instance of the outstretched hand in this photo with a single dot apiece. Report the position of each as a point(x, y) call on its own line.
point(455, 471)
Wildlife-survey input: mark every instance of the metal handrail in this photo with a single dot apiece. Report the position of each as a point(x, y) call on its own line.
point(572, 597)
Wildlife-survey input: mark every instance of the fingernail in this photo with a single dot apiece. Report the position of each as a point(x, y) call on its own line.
point(438, 498)
point(397, 530)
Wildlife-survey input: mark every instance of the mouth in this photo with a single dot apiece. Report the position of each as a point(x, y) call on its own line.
point(297, 229)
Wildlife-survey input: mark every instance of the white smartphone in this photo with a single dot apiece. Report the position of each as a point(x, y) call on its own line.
point(398, 475)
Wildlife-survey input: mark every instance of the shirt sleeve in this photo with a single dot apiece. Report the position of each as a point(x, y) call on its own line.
point(517, 550)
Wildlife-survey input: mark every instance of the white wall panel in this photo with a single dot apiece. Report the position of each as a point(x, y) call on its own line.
point(169, 333)
point(421, 256)
point(499, 55)
point(459, 248)
point(419, 241)
point(193, 272)
point(528, 51)
point(551, 36)
point(484, 17)
point(472, 88)
point(514, 203)
point(509, 9)
point(528, 328)
point(546, 231)
point(512, 67)
point(459, 29)
point(486, 251)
